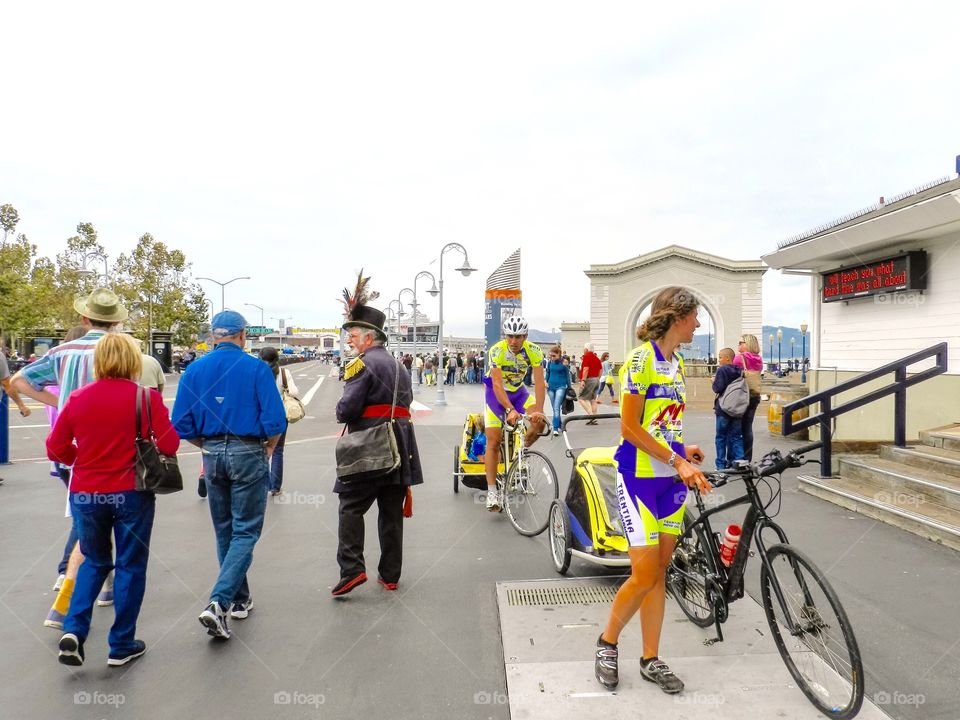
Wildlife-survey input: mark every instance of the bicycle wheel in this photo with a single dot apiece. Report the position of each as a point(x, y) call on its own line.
point(687, 577)
point(814, 636)
point(531, 486)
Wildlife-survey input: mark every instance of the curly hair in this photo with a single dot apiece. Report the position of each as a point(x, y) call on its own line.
point(670, 304)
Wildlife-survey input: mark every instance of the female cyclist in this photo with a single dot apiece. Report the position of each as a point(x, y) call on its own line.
point(652, 480)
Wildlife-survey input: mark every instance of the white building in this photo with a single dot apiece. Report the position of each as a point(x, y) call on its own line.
point(873, 302)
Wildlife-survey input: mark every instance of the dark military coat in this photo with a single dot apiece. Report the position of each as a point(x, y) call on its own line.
point(369, 381)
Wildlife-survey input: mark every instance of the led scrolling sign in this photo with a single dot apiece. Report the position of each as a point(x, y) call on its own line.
point(896, 274)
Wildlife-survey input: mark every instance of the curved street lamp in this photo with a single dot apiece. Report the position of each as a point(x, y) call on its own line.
point(465, 270)
point(433, 292)
point(222, 286)
point(413, 305)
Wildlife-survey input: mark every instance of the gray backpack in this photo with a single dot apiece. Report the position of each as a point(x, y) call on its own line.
point(735, 398)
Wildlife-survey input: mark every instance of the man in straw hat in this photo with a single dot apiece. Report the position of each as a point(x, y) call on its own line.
point(70, 366)
point(368, 394)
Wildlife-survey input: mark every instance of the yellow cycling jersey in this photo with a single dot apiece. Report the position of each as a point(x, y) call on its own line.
point(513, 366)
point(660, 383)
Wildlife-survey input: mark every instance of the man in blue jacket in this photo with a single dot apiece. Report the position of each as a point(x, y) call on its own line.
point(228, 405)
point(729, 433)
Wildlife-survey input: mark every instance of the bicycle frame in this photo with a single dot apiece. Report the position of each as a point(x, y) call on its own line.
point(756, 520)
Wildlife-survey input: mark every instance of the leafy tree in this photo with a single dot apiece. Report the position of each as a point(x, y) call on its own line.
point(9, 217)
point(153, 282)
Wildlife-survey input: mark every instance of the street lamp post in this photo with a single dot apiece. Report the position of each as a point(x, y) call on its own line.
point(465, 270)
point(779, 348)
point(262, 326)
point(412, 305)
point(433, 291)
point(222, 286)
point(803, 353)
point(280, 321)
point(771, 350)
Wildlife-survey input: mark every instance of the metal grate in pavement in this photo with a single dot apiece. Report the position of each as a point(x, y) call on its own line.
point(549, 595)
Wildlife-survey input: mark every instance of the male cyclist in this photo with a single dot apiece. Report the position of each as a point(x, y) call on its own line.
point(507, 398)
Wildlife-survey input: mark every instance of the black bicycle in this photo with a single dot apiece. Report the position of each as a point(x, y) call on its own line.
point(808, 623)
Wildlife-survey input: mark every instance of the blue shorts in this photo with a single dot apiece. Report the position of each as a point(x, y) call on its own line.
point(649, 507)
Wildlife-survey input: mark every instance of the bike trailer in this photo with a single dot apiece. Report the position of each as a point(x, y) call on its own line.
point(468, 470)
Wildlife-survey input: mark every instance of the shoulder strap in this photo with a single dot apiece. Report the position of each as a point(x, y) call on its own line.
point(396, 389)
point(139, 413)
point(283, 378)
point(146, 396)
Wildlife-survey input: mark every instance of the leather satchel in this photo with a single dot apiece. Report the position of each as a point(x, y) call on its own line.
point(155, 472)
point(371, 453)
point(753, 381)
point(292, 407)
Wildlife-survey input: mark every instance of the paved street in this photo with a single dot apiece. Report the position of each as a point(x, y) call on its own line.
point(433, 649)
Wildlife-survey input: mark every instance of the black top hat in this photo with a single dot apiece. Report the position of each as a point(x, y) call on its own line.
point(367, 317)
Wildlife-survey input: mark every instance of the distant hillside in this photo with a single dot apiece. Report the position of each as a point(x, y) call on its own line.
point(698, 348)
point(539, 336)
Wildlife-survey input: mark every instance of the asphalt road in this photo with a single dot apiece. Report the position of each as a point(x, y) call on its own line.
point(426, 651)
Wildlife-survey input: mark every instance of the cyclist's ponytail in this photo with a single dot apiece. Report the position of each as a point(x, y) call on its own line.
point(668, 306)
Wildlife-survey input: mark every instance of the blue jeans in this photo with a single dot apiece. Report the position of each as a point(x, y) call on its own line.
point(237, 475)
point(276, 465)
point(129, 517)
point(729, 441)
point(556, 402)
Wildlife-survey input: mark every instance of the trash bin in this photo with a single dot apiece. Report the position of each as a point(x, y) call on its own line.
point(778, 398)
point(161, 348)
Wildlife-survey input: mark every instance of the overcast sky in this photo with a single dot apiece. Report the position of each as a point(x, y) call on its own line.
point(297, 142)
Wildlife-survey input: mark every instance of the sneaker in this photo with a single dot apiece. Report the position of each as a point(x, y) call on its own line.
point(656, 671)
point(493, 500)
point(71, 650)
point(54, 620)
point(59, 583)
point(556, 432)
point(347, 584)
point(118, 659)
point(240, 611)
point(214, 619)
point(605, 664)
point(105, 598)
point(387, 585)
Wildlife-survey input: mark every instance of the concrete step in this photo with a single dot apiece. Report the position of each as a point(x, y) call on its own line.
point(927, 457)
point(947, 437)
point(926, 519)
point(888, 479)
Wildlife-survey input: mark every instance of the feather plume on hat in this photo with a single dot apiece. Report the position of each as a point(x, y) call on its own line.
point(359, 296)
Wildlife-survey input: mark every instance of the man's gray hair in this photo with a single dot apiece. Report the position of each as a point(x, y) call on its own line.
point(588, 346)
point(372, 335)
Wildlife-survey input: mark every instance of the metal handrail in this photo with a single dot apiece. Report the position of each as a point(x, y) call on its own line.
point(897, 388)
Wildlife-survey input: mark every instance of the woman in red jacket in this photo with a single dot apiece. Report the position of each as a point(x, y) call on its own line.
point(95, 433)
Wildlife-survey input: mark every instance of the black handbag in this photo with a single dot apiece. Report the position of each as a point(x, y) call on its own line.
point(155, 472)
point(371, 453)
point(569, 401)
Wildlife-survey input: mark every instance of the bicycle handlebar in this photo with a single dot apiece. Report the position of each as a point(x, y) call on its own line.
point(524, 418)
point(753, 470)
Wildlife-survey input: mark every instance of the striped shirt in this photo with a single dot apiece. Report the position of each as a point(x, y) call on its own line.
point(69, 365)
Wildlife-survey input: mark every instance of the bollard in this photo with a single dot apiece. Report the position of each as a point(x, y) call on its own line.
point(4, 428)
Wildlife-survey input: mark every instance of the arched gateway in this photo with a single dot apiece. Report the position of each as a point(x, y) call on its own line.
point(729, 290)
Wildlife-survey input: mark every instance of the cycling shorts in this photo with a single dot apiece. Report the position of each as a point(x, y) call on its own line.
point(495, 412)
point(649, 507)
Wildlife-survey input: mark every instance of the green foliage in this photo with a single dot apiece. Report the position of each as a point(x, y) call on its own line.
point(152, 281)
point(9, 217)
point(36, 292)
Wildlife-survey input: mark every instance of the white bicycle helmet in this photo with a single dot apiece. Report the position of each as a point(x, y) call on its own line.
point(515, 325)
